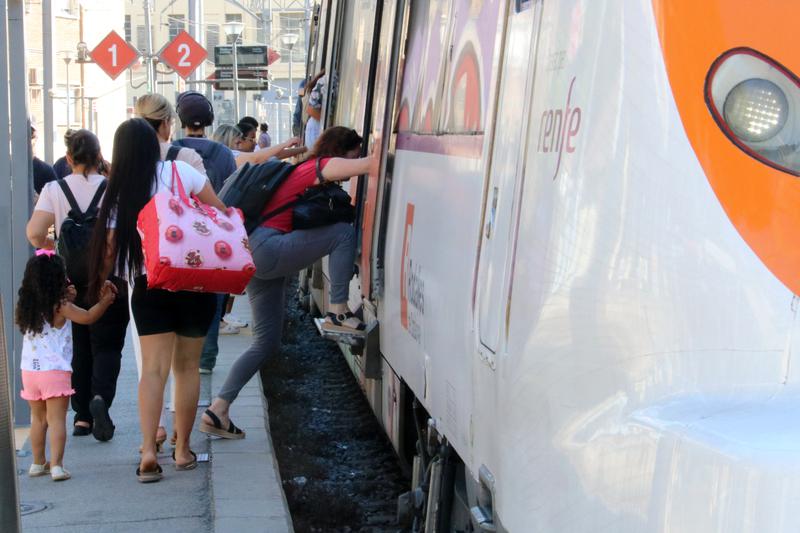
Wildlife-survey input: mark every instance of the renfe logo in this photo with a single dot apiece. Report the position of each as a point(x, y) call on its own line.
point(558, 129)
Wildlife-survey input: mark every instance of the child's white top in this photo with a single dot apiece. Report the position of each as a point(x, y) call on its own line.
point(49, 350)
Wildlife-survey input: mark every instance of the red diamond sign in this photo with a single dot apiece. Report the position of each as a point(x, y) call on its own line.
point(183, 54)
point(114, 55)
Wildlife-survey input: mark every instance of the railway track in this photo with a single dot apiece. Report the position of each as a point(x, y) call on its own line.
point(339, 472)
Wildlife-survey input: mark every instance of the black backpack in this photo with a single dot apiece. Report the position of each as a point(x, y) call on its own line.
point(208, 154)
point(252, 186)
point(76, 232)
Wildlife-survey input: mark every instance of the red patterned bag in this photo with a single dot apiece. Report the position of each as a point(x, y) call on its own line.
point(190, 246)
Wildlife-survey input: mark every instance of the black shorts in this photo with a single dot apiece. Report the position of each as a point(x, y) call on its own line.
point(188, 314)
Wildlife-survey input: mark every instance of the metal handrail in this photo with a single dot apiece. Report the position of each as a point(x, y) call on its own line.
point(9, 494)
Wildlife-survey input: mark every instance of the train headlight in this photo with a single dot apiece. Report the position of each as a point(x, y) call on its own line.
point(756, 103)
point(756, 110)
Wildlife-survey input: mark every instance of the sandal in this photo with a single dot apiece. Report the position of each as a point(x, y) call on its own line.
point(191, 465)
point(159, 443)
point(151, 476)
point(231, 433)
point(343, 323)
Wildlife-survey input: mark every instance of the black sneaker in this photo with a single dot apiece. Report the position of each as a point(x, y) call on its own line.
point(103, 428)
point(347, 323)
point(81, 431)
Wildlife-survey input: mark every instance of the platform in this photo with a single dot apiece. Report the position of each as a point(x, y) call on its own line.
point(238, 490)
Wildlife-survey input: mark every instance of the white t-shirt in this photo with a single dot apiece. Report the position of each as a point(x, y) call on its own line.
point(187, 155)
point(49, 350)
point(52, 199)
point(193, 183)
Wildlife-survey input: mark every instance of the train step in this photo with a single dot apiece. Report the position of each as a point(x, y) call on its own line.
point(351, 339)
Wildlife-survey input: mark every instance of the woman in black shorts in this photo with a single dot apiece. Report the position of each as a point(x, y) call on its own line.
point(171, 325)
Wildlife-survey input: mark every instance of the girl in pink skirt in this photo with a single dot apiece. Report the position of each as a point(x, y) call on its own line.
point(45, 315)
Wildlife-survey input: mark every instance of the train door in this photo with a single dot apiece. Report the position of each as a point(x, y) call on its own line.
point(506, 169)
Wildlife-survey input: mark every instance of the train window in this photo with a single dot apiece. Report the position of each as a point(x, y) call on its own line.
point(354, 60)
point(754, 100)
point(472, 46)
point(522, 5)
point(423, 73)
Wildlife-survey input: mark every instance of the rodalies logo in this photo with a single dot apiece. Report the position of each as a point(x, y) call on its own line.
point(558, 129)
point(412, 285)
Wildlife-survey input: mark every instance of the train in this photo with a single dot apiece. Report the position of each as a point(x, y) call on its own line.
point(579, 261)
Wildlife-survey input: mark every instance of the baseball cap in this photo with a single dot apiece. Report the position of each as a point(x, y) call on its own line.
point(194, 110)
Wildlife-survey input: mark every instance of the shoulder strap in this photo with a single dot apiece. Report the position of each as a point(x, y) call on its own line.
point(320, 177)
point(279, 210)
point(172, 153)
point(96, 198)
point(214, 149)
point(73, 204)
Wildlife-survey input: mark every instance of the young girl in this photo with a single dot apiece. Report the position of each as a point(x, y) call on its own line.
point(44, 316)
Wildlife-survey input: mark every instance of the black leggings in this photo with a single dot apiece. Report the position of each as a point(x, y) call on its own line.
point(97, 354)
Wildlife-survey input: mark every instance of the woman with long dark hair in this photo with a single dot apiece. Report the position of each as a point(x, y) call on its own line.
point(171, 325)
point(280, 251)
point(97, 348)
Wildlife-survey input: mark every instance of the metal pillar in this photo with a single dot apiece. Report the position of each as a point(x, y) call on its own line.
point(150, 64)
point(48, 23)
point(236, 81)
point(196, 31)
point(69, 99)
point(21, 183)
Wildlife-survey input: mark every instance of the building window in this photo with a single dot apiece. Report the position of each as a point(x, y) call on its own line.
point(233, 17)
point(212, 38)
point(177, 23)
point(128, 28)
point(67, 8)
point(293, 23)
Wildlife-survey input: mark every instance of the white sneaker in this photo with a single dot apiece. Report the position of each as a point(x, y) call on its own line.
point(39, 470)
point(227, 329)
point(235, 321)
point(59, 473)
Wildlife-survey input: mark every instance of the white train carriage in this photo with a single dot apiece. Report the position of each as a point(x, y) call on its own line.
point(580, 256)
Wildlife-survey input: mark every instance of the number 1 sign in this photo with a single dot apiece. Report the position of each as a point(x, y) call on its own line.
point(183, 54)
point(114, 55)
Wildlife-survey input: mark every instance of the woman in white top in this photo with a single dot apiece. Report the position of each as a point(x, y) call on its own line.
point(171, 325)
point(98, 347)
point(157, 110)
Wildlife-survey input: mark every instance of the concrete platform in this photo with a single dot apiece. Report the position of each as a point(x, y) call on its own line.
point(239, 490)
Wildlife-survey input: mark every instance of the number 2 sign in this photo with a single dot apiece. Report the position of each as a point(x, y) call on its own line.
point(114, 55)
point(183, 54)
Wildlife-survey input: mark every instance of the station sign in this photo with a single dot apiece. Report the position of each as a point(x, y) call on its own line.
point(246, 56)
point(114, 55)
point(183, 54)
point(248, 80)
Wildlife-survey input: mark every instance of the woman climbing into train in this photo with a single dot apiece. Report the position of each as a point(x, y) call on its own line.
point(280, 251)
point(171, 325)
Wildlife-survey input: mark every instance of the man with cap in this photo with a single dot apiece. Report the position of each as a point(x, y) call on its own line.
point(196, 114)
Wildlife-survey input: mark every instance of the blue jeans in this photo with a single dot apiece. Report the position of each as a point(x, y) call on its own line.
point(277, 256)
point(208, 358)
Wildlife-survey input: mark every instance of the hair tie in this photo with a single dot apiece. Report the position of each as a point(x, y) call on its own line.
point(48, 253)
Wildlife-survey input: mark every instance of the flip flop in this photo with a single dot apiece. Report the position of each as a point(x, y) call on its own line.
point(191, 465)
point(151, 476)
point(232, 432)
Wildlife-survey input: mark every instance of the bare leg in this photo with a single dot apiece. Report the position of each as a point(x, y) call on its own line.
point(38, 430)
point(186, 370)
point(156, 358)
point(57, 424)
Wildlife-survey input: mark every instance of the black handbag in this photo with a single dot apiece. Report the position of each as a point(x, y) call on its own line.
point(320, 205)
